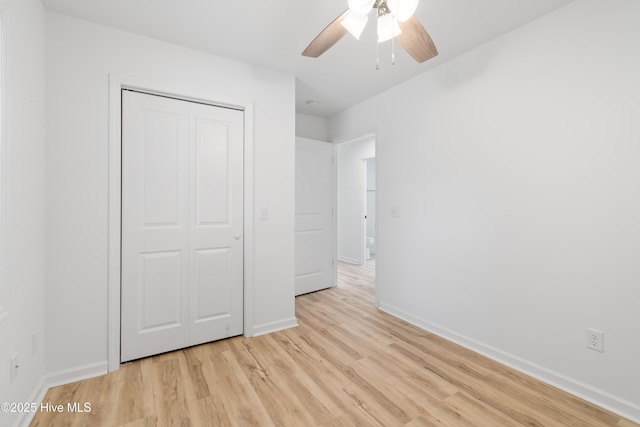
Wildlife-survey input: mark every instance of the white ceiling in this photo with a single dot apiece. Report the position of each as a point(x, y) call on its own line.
point(273, 34)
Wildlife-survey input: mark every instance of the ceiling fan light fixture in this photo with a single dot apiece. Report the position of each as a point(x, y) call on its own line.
point(355, 23)
point(361, 7)
point(402, 9)
point(410, 34)
point(388, 27)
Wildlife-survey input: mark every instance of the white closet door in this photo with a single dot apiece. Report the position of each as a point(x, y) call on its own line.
point(181, 224)
point(215, 224)
point(314, 233)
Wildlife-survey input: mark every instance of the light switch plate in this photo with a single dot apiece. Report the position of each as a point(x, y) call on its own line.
point(15, 364)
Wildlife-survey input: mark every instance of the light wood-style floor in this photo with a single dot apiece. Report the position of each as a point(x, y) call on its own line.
point(347, 364)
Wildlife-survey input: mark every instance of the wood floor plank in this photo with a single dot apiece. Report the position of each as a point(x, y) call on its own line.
point(298, 383)
point(194, 365)
point(151, 421)
point(481, 414)
point(347, 364)
point(327, 378)
point(238, 396)
point(438, 412)
point(471, 381)
point(271, 387)
point(365, 394)
point(396, 389)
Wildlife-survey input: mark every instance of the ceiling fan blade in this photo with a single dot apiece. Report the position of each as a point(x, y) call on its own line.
point(416, 41)
point(327, 37)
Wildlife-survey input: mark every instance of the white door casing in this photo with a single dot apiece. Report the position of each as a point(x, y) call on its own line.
point(182, 273)
point(314, 232)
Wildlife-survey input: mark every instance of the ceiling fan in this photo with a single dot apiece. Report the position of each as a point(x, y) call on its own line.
point(394, 20)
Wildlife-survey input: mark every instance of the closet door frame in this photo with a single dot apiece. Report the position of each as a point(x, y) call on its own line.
point(116, 84)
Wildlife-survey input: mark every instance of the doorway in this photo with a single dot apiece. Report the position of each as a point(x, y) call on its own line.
point(182, 224)
point(355, 159)
point(369, 213)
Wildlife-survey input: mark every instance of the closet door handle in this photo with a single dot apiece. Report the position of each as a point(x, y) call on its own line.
point(238, 236)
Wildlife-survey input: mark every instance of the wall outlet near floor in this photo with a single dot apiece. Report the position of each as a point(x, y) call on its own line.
point(595, 340)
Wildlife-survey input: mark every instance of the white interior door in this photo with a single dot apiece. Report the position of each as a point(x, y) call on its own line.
point(314, 234)
point(182, 202)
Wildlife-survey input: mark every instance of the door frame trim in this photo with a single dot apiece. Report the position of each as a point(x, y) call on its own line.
point(116, 84)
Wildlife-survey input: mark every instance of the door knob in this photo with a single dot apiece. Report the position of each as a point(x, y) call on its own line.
point(238, 236)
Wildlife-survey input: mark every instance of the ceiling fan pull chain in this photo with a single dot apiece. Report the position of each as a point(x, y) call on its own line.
point(377, 56)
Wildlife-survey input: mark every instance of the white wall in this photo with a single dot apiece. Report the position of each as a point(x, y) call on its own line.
point(350, 172)
point(23, 165)
point(312, 127)
point(80, 58)
point(515, 171)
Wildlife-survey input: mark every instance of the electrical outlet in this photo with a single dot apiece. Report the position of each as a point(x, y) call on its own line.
point(14, 368)
point(595, 340)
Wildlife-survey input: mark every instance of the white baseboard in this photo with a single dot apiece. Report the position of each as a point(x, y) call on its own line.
point(56, 379)
point(68, 376)
point(37, 395)
point(267, 328)
point(598, 397)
